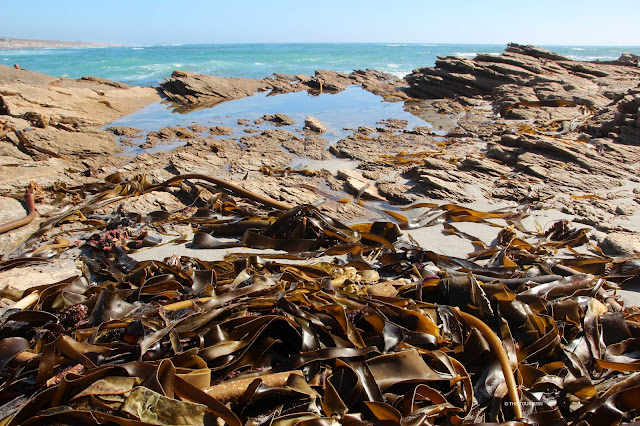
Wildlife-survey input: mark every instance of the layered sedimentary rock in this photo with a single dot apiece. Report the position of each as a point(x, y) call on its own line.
point(552, 127)
point(197, 89)
point(65, 113)
point(524, 74)
point(45, 100)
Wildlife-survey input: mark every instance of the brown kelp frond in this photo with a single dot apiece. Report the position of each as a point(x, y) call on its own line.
point(351, 324)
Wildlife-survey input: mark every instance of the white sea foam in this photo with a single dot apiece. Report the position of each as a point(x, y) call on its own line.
point(258, 63)
point(395, 45)
point(577, 48)
point(142, 76)
point(137, 48)
point(155, 67)
point(465, 54)
point(400, 74)
point(393, 65)
point(150, 71)
point(592, 58)
point(30, 52)
point(5, 59)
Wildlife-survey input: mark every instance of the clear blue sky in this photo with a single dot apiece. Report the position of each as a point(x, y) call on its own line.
point(559, 22)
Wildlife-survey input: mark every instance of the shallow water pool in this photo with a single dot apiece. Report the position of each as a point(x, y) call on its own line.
point(348, 109)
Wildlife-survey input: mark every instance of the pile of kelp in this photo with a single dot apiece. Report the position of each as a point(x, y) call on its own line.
point(385, 332)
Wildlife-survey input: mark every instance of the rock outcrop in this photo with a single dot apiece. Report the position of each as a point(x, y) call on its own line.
point(50, 127)
point(66, 113)
point(44, 100)
point(54, 142)
point(530, 125)
point(206, 90)
point(620, 120)
point(530, 83)
point(523, 75)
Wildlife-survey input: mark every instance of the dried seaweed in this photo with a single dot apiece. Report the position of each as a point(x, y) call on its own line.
point(387, 332)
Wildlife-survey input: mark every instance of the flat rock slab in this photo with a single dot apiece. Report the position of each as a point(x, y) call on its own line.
point(44, 173)
point(26, 277)
point(90, 101)
point(621, 244)
point(313, 146)
point(80, 144)
point(11, 209)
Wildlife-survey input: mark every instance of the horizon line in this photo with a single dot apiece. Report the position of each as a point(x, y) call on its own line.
point(103, 44)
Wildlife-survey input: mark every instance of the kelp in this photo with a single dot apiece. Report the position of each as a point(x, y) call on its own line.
point(408, 158)
point(385, 332)
point(270, 171)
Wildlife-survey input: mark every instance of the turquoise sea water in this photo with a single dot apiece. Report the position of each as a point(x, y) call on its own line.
point(147, 65)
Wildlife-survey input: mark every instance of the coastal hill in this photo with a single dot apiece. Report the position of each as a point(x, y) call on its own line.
point(17, 43)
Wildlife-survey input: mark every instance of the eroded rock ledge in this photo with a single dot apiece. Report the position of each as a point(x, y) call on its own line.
point(543, 75)
point(526, 77)
point(530, 125)
point(66, 113)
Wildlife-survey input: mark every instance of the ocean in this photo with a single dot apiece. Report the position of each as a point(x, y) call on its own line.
point(148, 65)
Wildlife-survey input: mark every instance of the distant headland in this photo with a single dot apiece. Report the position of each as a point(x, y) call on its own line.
point(17, 43)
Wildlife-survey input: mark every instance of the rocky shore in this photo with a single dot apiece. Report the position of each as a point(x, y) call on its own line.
point(531, 170)
point(528, 126)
